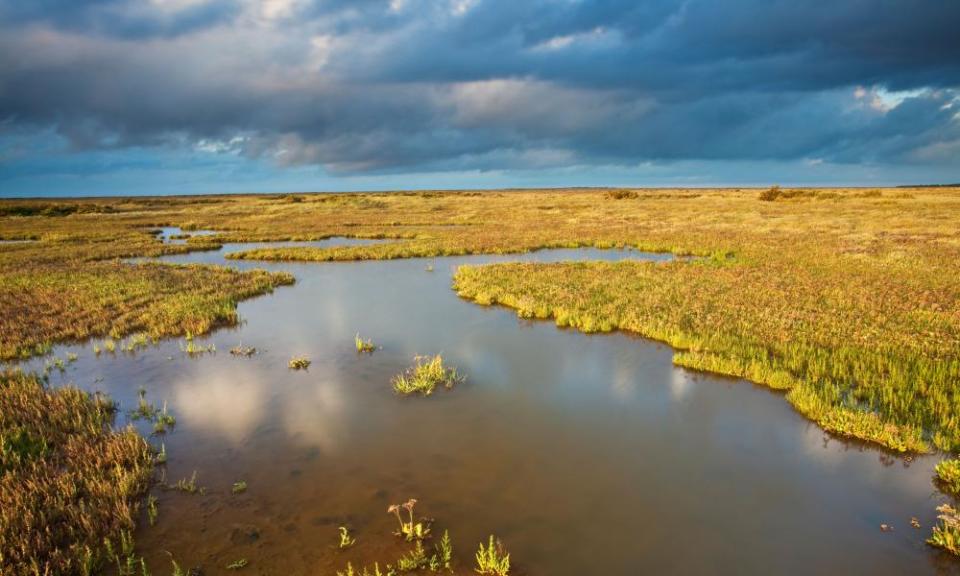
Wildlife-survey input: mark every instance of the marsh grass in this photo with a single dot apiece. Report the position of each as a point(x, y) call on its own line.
point(855, 294)
point(191, 348)
point(856, 363)
point(425, 375)
point(69, 482)
point(41, 304)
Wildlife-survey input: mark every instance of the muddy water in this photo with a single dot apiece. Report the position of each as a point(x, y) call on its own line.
point(584, 454)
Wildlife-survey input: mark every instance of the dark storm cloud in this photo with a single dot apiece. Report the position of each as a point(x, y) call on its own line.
point(483, 84)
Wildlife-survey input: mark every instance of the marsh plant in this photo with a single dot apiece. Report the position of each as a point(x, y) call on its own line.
point(948, 475)
point(241, 350)
point(187, 485)
point(191, 348)
point(946, 535)
point(346, 540)
point(363, 345)
point(152, 509)
point(299, 363)
point(409, 529)
point(425, 375)
point(493, 560)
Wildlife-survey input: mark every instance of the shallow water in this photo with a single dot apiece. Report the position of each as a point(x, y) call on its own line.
point(585, 454)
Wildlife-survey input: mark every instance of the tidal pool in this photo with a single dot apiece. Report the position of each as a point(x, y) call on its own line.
point(585, 454)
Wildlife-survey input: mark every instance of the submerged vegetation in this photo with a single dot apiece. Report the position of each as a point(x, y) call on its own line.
point(70, 485)
point(425, 375)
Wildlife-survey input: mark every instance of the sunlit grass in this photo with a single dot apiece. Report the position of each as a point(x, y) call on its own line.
point(425, 375)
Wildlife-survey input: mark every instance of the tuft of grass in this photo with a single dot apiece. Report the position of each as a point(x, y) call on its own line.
point(237, 564)
point(57, 446)
point(239, 487)
point(299, 363)
point(426, 374)
point(493, 560)
point(363, 345)
point(948, 475)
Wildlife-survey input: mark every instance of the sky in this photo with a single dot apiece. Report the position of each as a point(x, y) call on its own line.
point(124, 97)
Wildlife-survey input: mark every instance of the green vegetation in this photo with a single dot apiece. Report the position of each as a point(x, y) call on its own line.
point(237, 564)
point(239, 487)
point(946, 535)
point(948, 475)
point(299, 363)
point(493, 560)
point(69, 483)
point(414, 559)
point(363, 345)
point(426, 374)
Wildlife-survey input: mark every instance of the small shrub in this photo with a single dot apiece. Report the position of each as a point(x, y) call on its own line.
point(770, 194)
point(621, 194)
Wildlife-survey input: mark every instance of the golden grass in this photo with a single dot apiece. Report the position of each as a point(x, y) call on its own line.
point(68, 481)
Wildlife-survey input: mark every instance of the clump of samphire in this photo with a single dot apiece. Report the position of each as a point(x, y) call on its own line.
point(364, 345)
point(299, 363)
point(426, 374)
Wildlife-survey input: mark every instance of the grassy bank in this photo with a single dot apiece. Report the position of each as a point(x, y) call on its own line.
point(47, 303)
point(68, 481)
point(865, 351)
